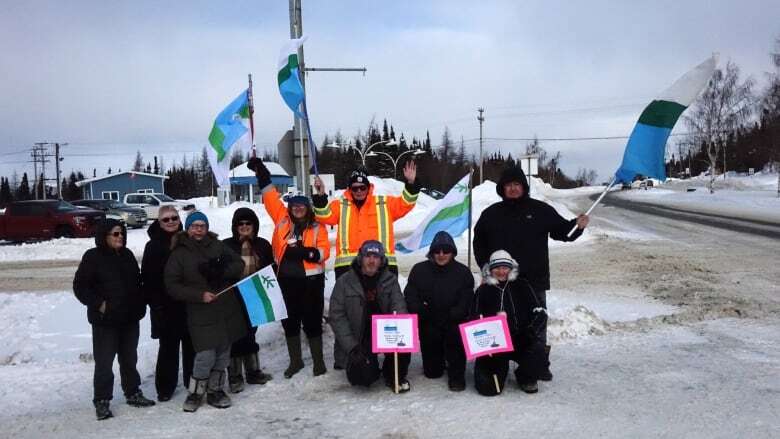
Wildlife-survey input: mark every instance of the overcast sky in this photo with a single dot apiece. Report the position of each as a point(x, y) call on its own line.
point(111, 77)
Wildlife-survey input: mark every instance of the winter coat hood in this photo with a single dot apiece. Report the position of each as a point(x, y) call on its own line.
point(245, 214)
point(488, 276)
point(102, 229)
point(443, 240)
point(514, 173)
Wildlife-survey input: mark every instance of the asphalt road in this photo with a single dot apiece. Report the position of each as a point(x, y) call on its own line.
point(760, 228)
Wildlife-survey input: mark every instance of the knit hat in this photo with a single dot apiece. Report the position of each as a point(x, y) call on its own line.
point(196, 216)
point(358, 176)
point(299, 198)
point(512, 174)
point(501, 258)
point(443, 241)
point(372, 247)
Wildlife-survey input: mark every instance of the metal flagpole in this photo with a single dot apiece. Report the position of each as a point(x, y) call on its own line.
point(471, 175)
point(598, 200)
point(312, 146)
point(252, 117)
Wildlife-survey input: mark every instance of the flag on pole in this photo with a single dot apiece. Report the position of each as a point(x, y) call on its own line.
point(646, 148)
point(290, 86)
point(262, 297)
point(450, 214)
point(230, 129)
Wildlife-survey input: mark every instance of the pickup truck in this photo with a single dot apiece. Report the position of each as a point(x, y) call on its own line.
point(46, 219)
point(151, 202)
point(134, 217)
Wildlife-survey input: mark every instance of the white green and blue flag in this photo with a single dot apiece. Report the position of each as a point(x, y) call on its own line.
point(290, 86)
point(451, 214)
point(262, 297)
point(231, 128)
point(646, 148)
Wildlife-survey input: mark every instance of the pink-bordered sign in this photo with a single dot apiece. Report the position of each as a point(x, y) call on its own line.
point(486, 336)
point(394, 333)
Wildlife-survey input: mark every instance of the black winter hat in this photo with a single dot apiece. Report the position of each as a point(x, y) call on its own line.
point(443, 241)
point(245, 214)
point(513, 173)
point(358, 176)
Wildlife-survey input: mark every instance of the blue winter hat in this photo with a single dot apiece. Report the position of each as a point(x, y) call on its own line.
point(196, 216)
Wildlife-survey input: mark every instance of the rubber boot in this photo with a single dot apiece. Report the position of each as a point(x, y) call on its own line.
point(235, 379)
point(195, 398)
point(254, 375)
point(315, 346)
point(216, 396)
point(296, 360)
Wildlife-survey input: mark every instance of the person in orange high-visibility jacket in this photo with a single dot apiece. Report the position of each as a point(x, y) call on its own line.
point(361, 215)
point(300, 247)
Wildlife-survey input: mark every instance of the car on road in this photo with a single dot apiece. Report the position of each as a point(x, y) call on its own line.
point(151, 202)
point(46, 219)
point(134, 217)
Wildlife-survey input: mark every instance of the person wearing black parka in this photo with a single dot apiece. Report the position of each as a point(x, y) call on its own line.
point(108, 282)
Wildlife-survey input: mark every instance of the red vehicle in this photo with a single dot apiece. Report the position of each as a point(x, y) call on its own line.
point(46, 219)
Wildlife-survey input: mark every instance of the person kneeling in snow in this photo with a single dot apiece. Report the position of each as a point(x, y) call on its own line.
point(201, 265)
point(368, 288)
point(503, 293)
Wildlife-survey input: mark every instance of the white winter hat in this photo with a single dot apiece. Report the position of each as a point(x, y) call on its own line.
point(501, 258)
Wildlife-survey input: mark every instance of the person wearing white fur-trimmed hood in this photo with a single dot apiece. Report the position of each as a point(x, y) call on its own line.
point(503, 292)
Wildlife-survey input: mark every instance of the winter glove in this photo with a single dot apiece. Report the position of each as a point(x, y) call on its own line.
point(261, 172)
point(320, 201)
point(312, 254)
point(213, 270)
point(296, 253)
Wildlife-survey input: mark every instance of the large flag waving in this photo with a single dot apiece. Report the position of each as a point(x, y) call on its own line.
point(230, 129)
point(290, 86)
point(451, 214)
point(263, 297)
point(646, 147)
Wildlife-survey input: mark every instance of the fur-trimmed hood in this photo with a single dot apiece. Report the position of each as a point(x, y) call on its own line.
point(504, 256)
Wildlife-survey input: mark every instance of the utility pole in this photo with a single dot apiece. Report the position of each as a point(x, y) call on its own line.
point(481, 119)
point(41, 155)
point(57, 160)
point(296, 31)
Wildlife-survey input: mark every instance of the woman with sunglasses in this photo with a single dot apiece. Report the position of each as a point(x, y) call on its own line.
point(109, 284)
point(168, 316)
point(300, 246)
point(256, 253)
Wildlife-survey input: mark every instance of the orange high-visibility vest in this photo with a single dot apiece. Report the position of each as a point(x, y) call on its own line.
point(374, 220)
point(314, 236)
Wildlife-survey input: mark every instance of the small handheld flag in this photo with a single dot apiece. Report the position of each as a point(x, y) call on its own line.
point(262, 297)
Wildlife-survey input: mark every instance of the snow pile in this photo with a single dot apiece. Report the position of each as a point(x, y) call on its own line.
point(576, 323)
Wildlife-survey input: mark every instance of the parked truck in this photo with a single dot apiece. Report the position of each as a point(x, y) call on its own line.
point(151, 202)
point(46, 219)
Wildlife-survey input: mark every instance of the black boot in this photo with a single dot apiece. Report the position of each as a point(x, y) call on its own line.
point(457, 384)
point(546, 375)
point(296, 360)
point(216, 396)
point(254, 375)
point(138, 399)
point(529, 387)
point(235, 379)
point(315, 346)
point(195, 398)
point(101, 409)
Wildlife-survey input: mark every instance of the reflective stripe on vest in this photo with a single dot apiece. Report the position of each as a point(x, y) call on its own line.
point(344, 227)
point(382, 216)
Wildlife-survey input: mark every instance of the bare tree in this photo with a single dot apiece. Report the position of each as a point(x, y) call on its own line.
point(718, 112)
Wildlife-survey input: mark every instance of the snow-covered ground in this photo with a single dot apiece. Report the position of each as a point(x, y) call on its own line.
point(751, 197)
point(645, 344)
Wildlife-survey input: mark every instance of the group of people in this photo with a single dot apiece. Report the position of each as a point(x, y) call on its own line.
point(186, 274)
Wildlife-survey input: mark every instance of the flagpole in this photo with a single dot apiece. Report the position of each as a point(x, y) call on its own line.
point(312, 146)
point(598, 200)
point(250, 97)
point(471, 174)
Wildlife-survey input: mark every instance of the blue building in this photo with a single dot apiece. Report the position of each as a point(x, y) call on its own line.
point(115, 186)
point(243, 183)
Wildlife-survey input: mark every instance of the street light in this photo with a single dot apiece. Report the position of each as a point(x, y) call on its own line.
point(363, 151)
point(397, 159)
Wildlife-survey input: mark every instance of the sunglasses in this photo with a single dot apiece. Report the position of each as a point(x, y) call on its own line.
point(442, 251)
point(115, 234)
point(169, 219)
point(245, 223)
point(360, 188)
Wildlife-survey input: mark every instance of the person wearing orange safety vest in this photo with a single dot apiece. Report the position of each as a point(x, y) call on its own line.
point(361, 215)
point(300, 247)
